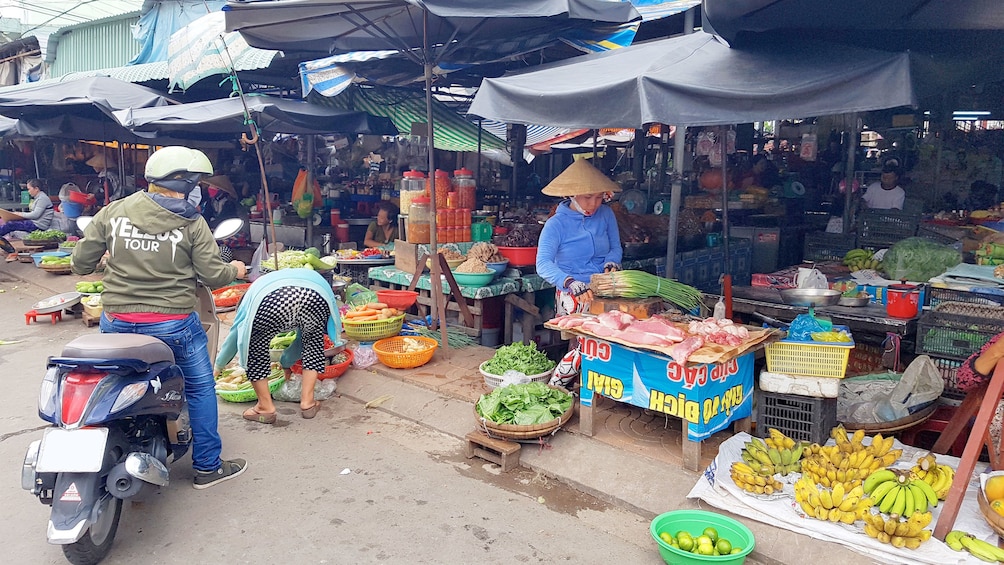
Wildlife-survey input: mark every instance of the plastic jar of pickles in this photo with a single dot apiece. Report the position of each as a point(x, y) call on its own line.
point(466, 188)
point(419, 220)
point(412, 186)
point(443, 186)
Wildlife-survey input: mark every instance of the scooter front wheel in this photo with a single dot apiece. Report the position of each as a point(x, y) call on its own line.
point(97, 540)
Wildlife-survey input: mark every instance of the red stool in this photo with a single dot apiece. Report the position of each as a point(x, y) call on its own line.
point(32, 316)
point(935, 425)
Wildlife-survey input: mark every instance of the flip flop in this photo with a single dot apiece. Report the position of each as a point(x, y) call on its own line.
point(6, 246)
point(12, 257)
point(253, 415)
point(309, 413)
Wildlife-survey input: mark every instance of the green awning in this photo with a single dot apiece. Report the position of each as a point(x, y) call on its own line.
point(451, 131)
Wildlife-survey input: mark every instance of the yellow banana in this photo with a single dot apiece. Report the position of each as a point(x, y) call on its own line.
point(849, 503)
point(912, 543)
point(848, 517)
point(890, 527)
point(837, 494)
point(954, 540)
point(871, 531)
point(826, 499)
point(807, 508)
point(834, 515)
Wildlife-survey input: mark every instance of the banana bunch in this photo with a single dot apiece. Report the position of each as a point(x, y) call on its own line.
point(898, 492)
point(750, 481)
point(879, 446)
point(938, 476)
point(857, 259)
point(768, 460)
point(897, 531)
point(959, 541)
point(835, 505)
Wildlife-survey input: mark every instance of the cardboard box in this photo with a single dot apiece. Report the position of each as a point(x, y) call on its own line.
point(405, 255)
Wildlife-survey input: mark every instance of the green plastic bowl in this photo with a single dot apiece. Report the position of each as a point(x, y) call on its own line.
point(474, 279)
point(694, 522)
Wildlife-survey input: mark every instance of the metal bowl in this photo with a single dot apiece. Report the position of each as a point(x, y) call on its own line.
point(810, 296)
point(854, 301)
point(57, 303)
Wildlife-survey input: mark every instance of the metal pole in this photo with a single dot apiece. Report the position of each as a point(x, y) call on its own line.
point(477, 180)
point(595, 141)
point(310, 189)
point(436, 284)
point(724, 141)
point(676, 195)
point(854, 138)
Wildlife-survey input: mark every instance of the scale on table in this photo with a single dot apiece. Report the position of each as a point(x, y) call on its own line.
point(634, 201)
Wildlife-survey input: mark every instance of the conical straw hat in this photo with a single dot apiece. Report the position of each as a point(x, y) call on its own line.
point(580, 178)
point(223, 183)
point(99, 161)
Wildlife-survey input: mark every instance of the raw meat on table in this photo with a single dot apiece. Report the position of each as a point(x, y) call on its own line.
point(660, 327)
point(682, 351)
point(616, 319)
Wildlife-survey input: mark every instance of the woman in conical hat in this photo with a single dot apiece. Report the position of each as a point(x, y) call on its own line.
point(578, 241)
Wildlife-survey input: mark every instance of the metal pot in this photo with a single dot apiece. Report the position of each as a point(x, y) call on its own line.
point(810, 296)
point(338, 287)
point(854, 301)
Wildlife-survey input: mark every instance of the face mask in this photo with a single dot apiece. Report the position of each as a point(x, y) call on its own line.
point(574, 205)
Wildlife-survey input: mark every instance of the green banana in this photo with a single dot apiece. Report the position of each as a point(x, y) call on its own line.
point(919, 498)
point(775, 456)
point(900, 504)
point(876, 478)
point(978, 548)
point(757, 443)
point(929, 493)
point(879, 492)
point(954, 539)
point(988, 548)
point(889, 499)
point(909, 502)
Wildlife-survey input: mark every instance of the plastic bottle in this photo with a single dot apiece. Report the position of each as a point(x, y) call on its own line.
point(719, 313)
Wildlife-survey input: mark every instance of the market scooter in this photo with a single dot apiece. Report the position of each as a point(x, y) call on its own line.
point(117, 405)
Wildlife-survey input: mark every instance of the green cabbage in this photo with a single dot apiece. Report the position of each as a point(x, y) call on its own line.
point(917, 259)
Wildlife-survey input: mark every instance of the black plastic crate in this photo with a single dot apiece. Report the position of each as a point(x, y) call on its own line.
point(876, 242)
point(987, 297)
point(948, 369)
point(941, 234)
point(888, 224)
point(953, 336)
point(802, 418)
point(822, 246)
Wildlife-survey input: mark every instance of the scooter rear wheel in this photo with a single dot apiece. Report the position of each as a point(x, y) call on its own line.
point(98, 538)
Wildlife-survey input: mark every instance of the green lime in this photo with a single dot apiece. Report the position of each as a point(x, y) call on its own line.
point(711, 533)
point(704, 540)
point(736, 550)
point(683, 534)
point(705, 549)
point(686, 544)
point(666, 537)
point(723, 546)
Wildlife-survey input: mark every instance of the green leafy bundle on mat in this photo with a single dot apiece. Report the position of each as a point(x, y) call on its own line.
point(917, 259)
point(525, 358)
point(639, 284)
point(523, 404)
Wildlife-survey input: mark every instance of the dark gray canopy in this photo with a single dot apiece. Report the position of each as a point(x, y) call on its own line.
point(224, 118)
point(92, 98)
point(697, 80)
point(335, 26)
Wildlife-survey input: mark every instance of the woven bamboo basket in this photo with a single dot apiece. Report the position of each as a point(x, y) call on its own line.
point(995, 520)
point(513, 431)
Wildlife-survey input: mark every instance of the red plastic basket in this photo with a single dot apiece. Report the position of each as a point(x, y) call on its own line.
point(332, 371)
point(229, 301)
point(400, 299)
point(80, 197)
point(520, 256)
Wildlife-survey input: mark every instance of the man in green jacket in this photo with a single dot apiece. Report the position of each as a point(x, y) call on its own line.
point(158, 246)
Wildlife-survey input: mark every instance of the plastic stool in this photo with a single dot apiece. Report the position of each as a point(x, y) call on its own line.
point(936, 424)
point(32, 316)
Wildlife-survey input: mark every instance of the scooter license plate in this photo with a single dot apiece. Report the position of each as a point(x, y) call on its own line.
point(72, 451)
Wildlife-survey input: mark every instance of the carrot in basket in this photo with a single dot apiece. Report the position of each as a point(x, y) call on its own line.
point(359, 313)
point(376, 306)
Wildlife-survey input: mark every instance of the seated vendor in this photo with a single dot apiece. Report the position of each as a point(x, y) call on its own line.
point(977, 370)
point(383, 229)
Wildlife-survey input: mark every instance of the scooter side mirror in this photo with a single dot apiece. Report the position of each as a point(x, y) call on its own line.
point(83, 222)
point(228, 227)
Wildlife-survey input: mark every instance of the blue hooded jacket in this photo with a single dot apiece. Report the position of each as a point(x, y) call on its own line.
point(239, 338)
point(575, 245)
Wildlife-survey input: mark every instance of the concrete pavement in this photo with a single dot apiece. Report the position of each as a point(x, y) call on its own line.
point(438, 399)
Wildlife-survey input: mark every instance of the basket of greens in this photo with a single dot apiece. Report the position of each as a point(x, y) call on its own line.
point(523, 411)
point(523, 358)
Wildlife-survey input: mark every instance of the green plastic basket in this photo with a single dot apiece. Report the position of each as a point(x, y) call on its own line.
point(694, 522)
point(248, 394)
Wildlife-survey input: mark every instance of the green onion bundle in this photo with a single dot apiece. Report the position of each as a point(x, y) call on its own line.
point(456, 338)
point(639, 284)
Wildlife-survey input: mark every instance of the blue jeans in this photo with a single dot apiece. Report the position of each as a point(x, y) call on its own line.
point(188, 341)
point(17, 225)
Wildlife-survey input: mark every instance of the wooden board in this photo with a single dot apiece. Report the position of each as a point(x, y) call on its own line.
point(640, 308)
point(7, 215)
point(709, 353)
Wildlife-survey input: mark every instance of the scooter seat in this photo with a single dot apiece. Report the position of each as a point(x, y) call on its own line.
point(119, 346)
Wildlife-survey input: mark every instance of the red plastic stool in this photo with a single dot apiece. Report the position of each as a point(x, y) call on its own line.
point(935, 425)
point(32, 316)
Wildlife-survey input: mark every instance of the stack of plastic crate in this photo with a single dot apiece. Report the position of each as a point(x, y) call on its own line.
point(880, 229)
point(956, 324)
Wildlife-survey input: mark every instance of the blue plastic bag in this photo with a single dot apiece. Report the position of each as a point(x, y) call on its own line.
point(802, 328)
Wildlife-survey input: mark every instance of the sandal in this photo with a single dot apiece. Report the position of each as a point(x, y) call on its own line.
point(6, 246)
point(309, 413)
point(12, 257)
point(253, 415)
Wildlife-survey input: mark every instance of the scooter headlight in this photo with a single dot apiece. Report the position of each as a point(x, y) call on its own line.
point(47, 393)
point(129, 396)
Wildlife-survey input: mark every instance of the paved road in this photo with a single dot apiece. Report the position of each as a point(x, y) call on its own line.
point(351, 486)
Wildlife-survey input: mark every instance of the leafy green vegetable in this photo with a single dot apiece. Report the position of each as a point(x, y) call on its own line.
point(526, 359)
point(282, 341)
point(524, 404)
point(918, 259)
point(46, 235)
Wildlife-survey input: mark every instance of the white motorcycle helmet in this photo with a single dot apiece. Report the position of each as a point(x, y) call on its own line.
point(177, 168)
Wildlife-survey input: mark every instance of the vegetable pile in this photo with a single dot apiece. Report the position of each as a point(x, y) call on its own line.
point(235, 378)
point(90, 287)
point(46, 235)
point(918, 259)
point(526, 359)
point(370, 312)
point(283, 340)
point(523, 404)
point(295, 259)
point(639, 284)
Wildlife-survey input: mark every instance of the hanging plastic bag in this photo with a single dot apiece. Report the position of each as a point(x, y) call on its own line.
point(802, 328)
point(291, 388)
point(305, 205)
point(357, 295)
point(262, 256)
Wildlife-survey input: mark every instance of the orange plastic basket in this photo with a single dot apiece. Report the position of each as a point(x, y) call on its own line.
point(230, 300)
point(390, 352)
point(331, 371)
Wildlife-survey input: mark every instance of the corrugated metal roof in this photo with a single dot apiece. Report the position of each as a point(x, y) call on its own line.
point(100, 44)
